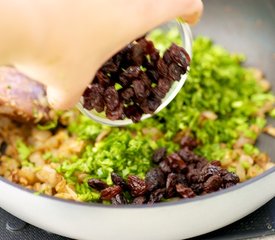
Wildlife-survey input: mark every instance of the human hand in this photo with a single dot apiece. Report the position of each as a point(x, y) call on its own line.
point(64, 42)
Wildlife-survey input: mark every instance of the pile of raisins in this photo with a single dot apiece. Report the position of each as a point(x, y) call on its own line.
point(135, 80)
point(182, 174)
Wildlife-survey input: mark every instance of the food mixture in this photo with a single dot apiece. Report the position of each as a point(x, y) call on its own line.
point(202, 142)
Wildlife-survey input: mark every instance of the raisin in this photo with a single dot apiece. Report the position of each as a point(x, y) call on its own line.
point(87, 93)
point(181, 179)
point(197, 188)
point(171, 182)
point(144, 106)
point(208, 171)
point(162, 68)
point(153, 75)
point(229, 179)
point(184, 191)
point(147, 46)
point(154, 57)
point(179, 56)
point(118, 199)
point(156, 196)
point(116, 113)
point(201, 164)
point(102, 79)
point(132, 72)
point(111, 98)
point(159, 155)
point(109, 66)
point(124, 81)
point(97, 184)
point(133, 112)
point(212, 184)
point(94, 101)
point(188, 156)
point(140, 90)
point(154, 179)
point(188, 142)
point(175, 72)
point(118, 180)
point(110, 192)
point(153, 103)
point(176, 163)
point(137, 54)
point(167, 58)
point(117, 59)
point(136, 185)
point(139, 200)
point(193, 176)
point(87, 104)
point(127, 94)
point(162, 88)
point(145, 80)
point(164, 166)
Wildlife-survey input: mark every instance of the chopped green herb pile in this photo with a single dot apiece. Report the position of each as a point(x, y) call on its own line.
point(220, 102)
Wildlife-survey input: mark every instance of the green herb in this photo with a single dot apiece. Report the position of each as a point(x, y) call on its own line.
point(272, 113)
point(23, 152)
point(217, 82)
point(85, 128)
point(48, 126)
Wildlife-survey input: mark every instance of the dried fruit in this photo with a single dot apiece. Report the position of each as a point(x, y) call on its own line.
point(135, 80)
point(118, 180)
point(110, 192)
point(139, 200)
point(173, 178)
point(212, 184)
point(171, 185)
point(118, 200)
point(159, 155)
point(97, 184)
point(136, 185)
point(156, 196)
point(155, 178)
point(175, 162)
point(185, 192)
point(111, 98)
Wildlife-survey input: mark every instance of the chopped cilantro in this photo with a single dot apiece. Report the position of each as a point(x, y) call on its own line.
point(217, 82)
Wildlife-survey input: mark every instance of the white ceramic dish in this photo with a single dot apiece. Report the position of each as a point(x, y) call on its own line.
point(177, 220)
point(186, 218)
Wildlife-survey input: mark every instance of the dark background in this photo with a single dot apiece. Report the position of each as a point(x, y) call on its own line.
point(246, 26)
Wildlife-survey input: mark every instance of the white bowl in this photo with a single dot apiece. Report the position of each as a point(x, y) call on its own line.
point(162, 221)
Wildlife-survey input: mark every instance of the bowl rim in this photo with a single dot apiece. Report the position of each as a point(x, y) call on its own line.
point(143, 206)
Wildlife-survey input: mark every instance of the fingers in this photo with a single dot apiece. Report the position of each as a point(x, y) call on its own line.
point(150, 13)
point(195, 11)
point(132, 19)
